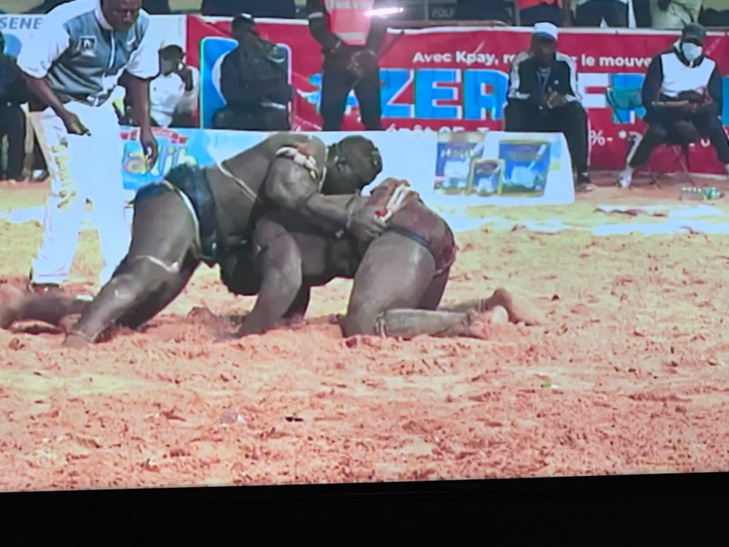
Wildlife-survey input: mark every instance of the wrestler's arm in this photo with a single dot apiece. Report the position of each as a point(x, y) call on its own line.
point(297, 188)
point(293, 187)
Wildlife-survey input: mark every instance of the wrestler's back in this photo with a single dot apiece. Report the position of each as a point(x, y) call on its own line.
point(417, 218)
point(236, 208)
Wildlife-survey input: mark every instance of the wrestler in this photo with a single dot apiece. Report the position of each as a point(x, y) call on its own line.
point(399, 278)
point(203, 214)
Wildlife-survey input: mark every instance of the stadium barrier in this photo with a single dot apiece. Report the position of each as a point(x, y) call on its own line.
point(450, 171)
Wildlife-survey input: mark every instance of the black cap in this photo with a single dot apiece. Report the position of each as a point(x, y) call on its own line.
point(244, 21)
point(693, 32)
point(244, 18)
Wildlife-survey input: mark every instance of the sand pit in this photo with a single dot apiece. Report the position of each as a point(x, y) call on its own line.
point(630, 375)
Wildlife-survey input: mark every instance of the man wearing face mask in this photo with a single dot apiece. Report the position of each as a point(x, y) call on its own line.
point(543, 97)
point(682, 96)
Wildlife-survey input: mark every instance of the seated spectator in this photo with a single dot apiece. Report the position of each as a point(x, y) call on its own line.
point(173, 94)
point(254, 83)
point(13, 93)
point(543, 97)
point(547, 11)
point(157, 7)
point(482, 10)
point(682, 96)
point(591, 13)
point(674, 14)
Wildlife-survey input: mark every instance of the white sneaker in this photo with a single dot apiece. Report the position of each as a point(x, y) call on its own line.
point(625, 179)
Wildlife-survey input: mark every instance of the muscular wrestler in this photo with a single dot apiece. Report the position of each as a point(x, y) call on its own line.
point(201, 215)
point(399, 278)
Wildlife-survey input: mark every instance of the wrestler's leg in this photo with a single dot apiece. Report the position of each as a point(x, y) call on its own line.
point(518, 312)
point(158, 263)
point(434, 294)
point(281, 271)
point(298, 308)
point(395, 294)
point(49, 308)
point(395, 273)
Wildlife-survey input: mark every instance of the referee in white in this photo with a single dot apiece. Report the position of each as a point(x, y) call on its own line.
point(72, 66)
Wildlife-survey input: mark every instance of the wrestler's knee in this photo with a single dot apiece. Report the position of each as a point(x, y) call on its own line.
point(363, 320)
point(143, 277)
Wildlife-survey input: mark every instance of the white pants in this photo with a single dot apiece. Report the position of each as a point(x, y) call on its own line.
point(82, 168)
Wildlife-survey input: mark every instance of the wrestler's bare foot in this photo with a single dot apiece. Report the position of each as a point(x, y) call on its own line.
point(76, 341)
point(481, 324)
point(502, 298)
point(10, 301)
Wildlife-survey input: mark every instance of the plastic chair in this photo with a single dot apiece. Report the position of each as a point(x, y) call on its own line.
point(630, 100)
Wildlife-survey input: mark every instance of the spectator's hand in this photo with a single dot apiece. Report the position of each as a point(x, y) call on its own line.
point(555, 100)
point(663, 4)
point(362, 62)
point(185, 72)
point(73, 124)
point(149, 145)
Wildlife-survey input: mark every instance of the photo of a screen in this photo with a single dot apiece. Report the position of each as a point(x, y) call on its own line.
point(237, 256)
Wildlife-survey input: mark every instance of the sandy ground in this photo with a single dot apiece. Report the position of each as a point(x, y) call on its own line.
point(631, 374)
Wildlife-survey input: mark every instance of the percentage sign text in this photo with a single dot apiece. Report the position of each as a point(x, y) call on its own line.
point(596, 137)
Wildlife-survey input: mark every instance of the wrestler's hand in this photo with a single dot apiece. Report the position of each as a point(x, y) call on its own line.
point(73, 124)
point(149, 145)
point(366, 225)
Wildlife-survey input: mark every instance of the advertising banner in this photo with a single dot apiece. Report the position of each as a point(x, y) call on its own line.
point(457, 78)
point(447, 169)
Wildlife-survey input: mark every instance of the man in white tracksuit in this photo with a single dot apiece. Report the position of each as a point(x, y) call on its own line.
point(72, 67)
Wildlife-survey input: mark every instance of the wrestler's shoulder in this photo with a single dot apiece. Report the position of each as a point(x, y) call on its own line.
point(290, 137)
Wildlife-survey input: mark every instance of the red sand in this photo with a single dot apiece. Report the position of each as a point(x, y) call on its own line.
point(630, 376)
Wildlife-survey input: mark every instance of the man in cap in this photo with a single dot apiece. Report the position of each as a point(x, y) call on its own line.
point(174, 92)
point(543, 97)
point(682, 97)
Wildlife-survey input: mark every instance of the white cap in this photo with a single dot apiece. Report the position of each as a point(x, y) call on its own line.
point(545, 30)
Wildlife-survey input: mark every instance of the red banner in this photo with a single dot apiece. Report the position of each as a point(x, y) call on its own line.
point(456, 79)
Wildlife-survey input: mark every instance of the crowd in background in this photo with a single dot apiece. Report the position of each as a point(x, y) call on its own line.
point(660, 14)
point(255, 87)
